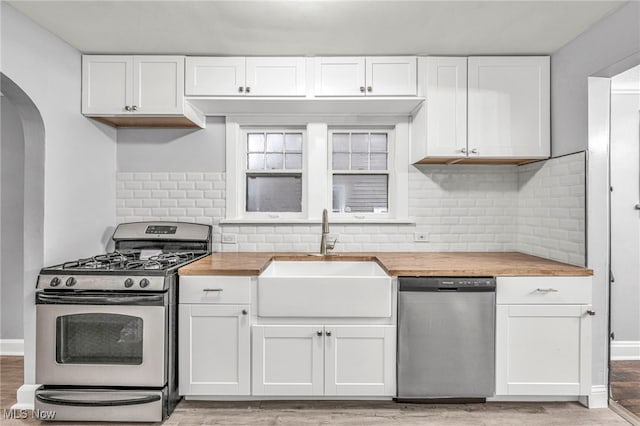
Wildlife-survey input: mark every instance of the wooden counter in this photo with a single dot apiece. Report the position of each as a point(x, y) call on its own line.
point(396, 263)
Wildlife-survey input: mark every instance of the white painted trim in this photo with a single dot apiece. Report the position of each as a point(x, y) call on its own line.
point(12, 347)
point(599, 397)
point(625, 350)
point(535, 398)
point(25, 396)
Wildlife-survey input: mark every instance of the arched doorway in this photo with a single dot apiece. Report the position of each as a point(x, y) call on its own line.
point(33, 133)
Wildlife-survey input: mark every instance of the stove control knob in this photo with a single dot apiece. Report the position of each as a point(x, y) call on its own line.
point(55, 282)
point(144, 283)
point(128, 282)
point(70, 282)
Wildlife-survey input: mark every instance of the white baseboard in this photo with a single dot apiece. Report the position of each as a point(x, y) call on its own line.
point(13, 347)
point(26, 396)
point(599, 397)
point(625, 350)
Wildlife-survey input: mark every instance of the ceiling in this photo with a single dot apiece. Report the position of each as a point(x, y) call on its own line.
point(311, 27)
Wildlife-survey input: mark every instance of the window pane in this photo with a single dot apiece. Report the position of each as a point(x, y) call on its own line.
point(340, 161)
point(359, 161)
point(360, 193)
point(293, 161)
point(293, 142)
point(256, 162)
point(256, 142)
point(275, 142)
point(341, 142)
point(274, 161)
point(359, 142)
point(378, 161)
point(274, 193)
point(379, 142)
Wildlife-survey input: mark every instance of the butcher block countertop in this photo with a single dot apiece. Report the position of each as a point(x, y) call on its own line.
point(466, 264)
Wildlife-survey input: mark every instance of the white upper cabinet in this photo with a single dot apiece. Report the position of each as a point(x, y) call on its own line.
point(370, 76)
point(107, 84)
point(509, 106)
point(239, 76)
point(158, 84)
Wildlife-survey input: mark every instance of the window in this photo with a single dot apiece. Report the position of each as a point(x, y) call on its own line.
point(290, 174)
point(273, 171)
point(360, 171)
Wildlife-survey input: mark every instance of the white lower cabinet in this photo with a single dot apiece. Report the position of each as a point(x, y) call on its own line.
point(297, 360)
point(214, 349)
point(543, 336)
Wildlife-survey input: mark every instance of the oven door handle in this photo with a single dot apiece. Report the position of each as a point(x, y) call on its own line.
point(97, 403)
point(69, 299)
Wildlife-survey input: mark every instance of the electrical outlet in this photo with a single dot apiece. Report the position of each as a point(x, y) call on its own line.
point(229, 239)
point(421, 237)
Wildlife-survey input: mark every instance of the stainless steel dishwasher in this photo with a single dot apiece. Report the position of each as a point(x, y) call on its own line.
point(446, 338)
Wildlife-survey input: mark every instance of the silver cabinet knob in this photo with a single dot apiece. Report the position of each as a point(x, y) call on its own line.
point(134, 108)
point(319, 333)
point(240, 89)
point(591, 312)
point(474, 151)
point(328, 333)
point(247, 89)
point(463, 150)
point(362, 89)
point(127, 108)
point(369, 89)
point(244, 312)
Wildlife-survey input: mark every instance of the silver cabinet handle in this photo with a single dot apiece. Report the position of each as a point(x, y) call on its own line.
point(463, 150)
point(637, 207)
point(319, 333)
point(206, 290)
point(134, 108)
point(474, 151)
point(244, 312)
point(591, 312)
point(127, 108)
point(546, 290)
point(328, 333)
point(247, 89)
point(240, 89)
point(362, 89)
point(369, 89)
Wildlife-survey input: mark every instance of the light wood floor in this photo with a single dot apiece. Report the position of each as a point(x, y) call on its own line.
point(301, 413)
point(625, 385)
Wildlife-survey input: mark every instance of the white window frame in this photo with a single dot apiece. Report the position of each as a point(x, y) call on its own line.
point(316, 171)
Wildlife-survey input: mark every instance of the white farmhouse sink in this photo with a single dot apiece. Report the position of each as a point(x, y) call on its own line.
point(324, 288)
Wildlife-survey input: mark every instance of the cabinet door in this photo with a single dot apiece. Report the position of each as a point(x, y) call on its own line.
point(158, 84)
point(287, 360)
point(509, 109)
point(446, 107)
point(213, 76)
point(340, 76)
point(543, 350)
point(106, 84)
point(391, 76)
point(214, 349)
point(275, 77)
point(360, 360)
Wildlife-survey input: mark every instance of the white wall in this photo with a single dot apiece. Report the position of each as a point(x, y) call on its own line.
point(608, 41)
point(12, 191)
point(80, 165)
point(625, 219)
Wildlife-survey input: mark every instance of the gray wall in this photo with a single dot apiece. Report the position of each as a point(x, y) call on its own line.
point(173, 150)
point(608, 41)
point(12, 191)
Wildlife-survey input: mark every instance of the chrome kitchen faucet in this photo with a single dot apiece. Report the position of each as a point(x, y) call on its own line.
point(324, 245)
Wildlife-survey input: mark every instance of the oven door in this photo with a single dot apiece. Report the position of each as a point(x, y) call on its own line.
point(95, 340)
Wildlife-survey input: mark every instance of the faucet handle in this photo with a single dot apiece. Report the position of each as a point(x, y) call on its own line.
point(330, 246)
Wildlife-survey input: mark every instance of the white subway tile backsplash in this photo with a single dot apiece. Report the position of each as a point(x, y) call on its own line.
point(537, 209)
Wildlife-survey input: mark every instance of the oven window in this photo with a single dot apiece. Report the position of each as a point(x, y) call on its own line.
point(99, 339)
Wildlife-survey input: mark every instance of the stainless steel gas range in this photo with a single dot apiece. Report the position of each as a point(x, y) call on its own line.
point(106, 326)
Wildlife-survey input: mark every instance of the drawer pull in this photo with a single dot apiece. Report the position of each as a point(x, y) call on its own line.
point(206, 290)
point(591, 312)
point(546, 290)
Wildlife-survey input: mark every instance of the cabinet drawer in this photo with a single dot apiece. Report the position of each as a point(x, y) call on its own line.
point(543, 290)
point(215, 289)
